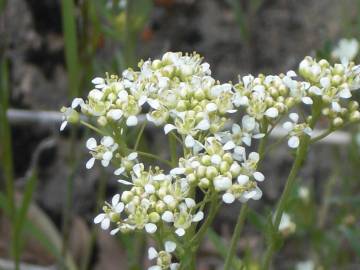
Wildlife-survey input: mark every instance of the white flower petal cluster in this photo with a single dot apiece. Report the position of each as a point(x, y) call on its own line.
point(225, 171)
point(346, 50)
point(163, 257)
point(103, 151)
point(154, 197)
point(333, 86)
point(295, 130)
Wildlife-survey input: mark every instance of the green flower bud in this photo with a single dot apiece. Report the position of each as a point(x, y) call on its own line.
point(102, 121)
point(211, 172)
point(354, 116)
point(160, 207)
point(235, 170)
point(204, 183)
point(206, 160)
point(192, 178)
point(126, 196)
point(353, 105)
point(224, 167)
point(114, 217)
point(154, 217)
point(338, 122)
point(201, 171)
point(156, 64)
point(228, 158)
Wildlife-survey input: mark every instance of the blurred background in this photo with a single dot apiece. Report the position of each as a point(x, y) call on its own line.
point(49, 52)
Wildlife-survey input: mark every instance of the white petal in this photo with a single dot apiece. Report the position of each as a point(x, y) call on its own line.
point(190, 202)
point(107, 141)
point(259, 136)
point(216, 159)
point(90, 163)
point(254, 156)
point(307, 100)
point(293, 142)
point(229, 145)
point(119, 171)
point(203, 125)
point(294, 117)
point(170, 246)
point(315, 90)
point(325, 82)
point(154, 267)
point(107, 156)
point(248, 122)
point(246, 140)
point(180, 232)
point(168, 199)
point(176, 171)
point(168, 128)
point(91, 144)
point(159, 177)
point(127, 183)
point(131, 121)
point(119, 207)
point(63, 125)
point(335, 106)
point(198, 216)
point(99, 218)
point(345, 93)
point(228, 198)
point(152, 253)
point(235, 128)
point(288, 126)
point(259, 176)
point(114, 231)
point(98, 80)
point(115, 200)
point(155, 104)
point(76, 102)
point(174, 266)
point(167, 216)
point(132, 156)
point(150, 189)
point(123, 95)
point(189, 141)
point(222, 183)
point(308, 131)
point(272, 112)
point(150, 228)
point(105, 224)
point(211, 107)
point(115, 114)
point(258, 194)
point(242, 179)
point(137, 169)
point(291, 73)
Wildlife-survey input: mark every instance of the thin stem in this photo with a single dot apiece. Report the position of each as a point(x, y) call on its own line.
point(173, 151)
point(236, 235)
point(86, 124)
point(141, 131)
point(301, 154)
point(149, 155)
point(321, 136)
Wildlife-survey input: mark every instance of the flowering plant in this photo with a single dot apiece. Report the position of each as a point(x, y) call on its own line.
point(210, 151)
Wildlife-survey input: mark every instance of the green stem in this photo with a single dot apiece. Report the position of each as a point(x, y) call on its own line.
point(173, 152)
point(301, 154)
point(321, 136)
point(141, 131)
point(235, 238)
point(149, 155)
point(86, 124)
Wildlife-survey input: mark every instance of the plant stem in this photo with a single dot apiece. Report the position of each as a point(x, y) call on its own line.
point(301, 154)
point(149, 155)
point(236, 235)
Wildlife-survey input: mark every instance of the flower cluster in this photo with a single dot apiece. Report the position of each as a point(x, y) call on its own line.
point(178, 93)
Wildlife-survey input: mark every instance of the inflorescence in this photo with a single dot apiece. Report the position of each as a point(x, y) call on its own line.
point(178, 93)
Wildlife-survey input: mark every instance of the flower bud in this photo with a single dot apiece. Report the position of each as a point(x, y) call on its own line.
point(102, 121)
point(224, 167)
point(204, 183)
point(228, 158)
point(126, 196)
point(355, 116)
point(160, 207)
point(154, 217)
point(206, 160)
point(337, 122)
point(211, 172)
point(201, 171)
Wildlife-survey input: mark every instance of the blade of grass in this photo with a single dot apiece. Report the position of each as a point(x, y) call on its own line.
point(6, 154)
point(71, 46)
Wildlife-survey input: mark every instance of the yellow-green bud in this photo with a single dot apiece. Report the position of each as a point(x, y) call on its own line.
point(204, 183)
point(224, 167)
point(160, 207)
point(337, 122)
point(156, 64)
point(206, 160)
point(192, 178)
point(355, 116)
point(201, 171)
point(228, 158)
point(102, 121)
point(154, 217)
point(211, 172)
point(126, 196)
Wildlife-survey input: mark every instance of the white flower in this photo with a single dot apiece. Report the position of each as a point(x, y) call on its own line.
point(163, 257)
point(346, 50)
point(116, 207)
point(286, 225)
point(305, 265)
point(295, 130)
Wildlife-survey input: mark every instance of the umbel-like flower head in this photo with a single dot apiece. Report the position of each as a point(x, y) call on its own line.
point(178, 94)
